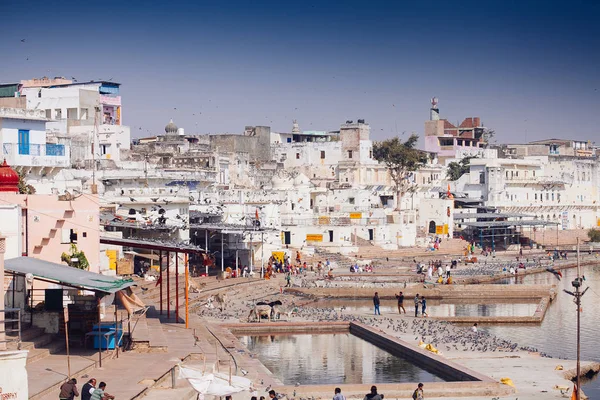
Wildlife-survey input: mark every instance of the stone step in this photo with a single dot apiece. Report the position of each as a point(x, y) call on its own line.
point(37, 354)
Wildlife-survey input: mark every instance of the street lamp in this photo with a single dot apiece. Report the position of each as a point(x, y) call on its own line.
point(578, 295)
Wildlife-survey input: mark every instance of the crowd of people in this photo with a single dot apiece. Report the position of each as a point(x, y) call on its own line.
point(89, 391)
point(420, 304)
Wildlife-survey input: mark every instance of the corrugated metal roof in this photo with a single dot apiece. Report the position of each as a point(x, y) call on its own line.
point(66, 275)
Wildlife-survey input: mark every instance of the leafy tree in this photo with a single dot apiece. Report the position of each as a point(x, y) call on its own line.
point(594, 235)
point(24, 188)
point(488, 137)
point(76, 258)
point(458, 169)
point(402, 159)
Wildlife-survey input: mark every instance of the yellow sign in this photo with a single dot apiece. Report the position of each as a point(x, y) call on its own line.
point(324, 220)
point(445, 229)
point(355, 215)
point(439, 230)
point(112, 259)
point(278, 255)
point(314, 237)
point(598, 222)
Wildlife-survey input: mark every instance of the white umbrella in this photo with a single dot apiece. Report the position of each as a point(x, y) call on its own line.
point(215, 383)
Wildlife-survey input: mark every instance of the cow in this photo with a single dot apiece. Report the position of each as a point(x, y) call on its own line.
point(259, 311)
point(220, 298)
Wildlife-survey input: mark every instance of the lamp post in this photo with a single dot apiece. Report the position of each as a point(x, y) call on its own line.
point(578, 295)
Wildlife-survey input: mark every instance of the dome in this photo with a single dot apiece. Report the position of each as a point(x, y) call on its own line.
point(301, 180)
point(171, 128)
point(9, 179)
point(280, 182)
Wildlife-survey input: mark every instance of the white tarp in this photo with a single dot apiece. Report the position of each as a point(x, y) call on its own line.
point(13, 375)
point(215, 383)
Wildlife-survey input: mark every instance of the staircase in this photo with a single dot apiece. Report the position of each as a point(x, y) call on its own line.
point(358, 241)
point(340, 260)
point(39, 343)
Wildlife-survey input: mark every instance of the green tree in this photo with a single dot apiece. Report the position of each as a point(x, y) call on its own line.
point(24, 188)
point(594, 235)
point(458, 169)
point(75, 258)
point(488, 137)
point(402, 160)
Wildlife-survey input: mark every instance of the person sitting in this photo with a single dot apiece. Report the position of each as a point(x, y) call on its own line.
point(373, 395)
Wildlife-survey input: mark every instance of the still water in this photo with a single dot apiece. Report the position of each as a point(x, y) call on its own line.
point(557, 333)
point(437, 308)
point(332, 359)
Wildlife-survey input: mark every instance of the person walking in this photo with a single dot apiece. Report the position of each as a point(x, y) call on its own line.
point(400, 298)
point(288, 278)
point(418, 393)
point(68, 390)
point(88, 389)
point(338, 394)
point(447, 271)
point(417, 303)
point(376, 303)
point(100, 394)
point(373, 395)
point(424, 307)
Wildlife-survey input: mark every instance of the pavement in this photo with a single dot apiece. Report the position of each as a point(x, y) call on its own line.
point(134, 373)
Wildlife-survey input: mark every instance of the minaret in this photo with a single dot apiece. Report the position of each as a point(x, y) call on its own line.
point(295, 128)
point(434, 111)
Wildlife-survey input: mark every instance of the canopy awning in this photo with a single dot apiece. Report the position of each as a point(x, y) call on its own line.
point(153, 257)
point(65, 275)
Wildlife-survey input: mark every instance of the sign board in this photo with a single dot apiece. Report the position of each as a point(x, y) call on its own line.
point(565, 220)
point(278, 255)
point(324, 220)
point(445, 230)
point(66, 311)
point(439, 229)
point(314, 237)
point(355, 215)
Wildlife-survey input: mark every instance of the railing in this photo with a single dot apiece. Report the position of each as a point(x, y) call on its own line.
point(12, 321)
point(57, 150)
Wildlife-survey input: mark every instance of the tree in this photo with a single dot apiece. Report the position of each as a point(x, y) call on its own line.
point(458, 169)
point(488, 137)
point(76, 258)
point(594, 235)
point(401, 159)
point(24, 188)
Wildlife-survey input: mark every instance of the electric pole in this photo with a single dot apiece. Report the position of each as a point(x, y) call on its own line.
point(578, 295)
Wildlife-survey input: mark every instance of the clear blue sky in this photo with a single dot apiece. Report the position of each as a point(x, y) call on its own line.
point(528, 69)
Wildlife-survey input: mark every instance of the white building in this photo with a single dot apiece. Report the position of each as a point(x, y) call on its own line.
point(24, 144)
point(82, 114)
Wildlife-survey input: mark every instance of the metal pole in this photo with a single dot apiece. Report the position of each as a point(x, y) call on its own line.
point(168, 286)
point(262, 254)
point(160, 261)
point(251, 253)
point(237, 272)
point(557, 236)
point(176, 287)
point(206, 248)
point(187, 294)
point(578, 297)
point(99, 336)
point(117, 332)
point(222, 261)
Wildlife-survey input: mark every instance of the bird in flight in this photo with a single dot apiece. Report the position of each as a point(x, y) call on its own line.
point(22, 40)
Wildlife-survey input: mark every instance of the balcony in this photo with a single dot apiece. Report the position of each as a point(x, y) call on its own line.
point(36, 155)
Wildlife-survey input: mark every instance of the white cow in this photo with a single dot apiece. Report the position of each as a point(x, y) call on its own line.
point(259, 311)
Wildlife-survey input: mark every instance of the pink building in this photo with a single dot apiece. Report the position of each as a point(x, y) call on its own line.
point(445, 139)
point(45, 226)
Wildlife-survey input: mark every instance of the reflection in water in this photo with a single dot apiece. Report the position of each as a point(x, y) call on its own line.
point(436, 308)
point(557, 333)
point(331, 359)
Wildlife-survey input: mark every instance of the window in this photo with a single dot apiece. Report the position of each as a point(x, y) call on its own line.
point(49, 114)
point(481, 178)
point(370, 153)
point(351, 200)
point(68, 236)
point(84, 234)
point(349, 153)
point(297, 156)
point(322, 154)
point(547, 196)
point(104, 149)
point(536, 196)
